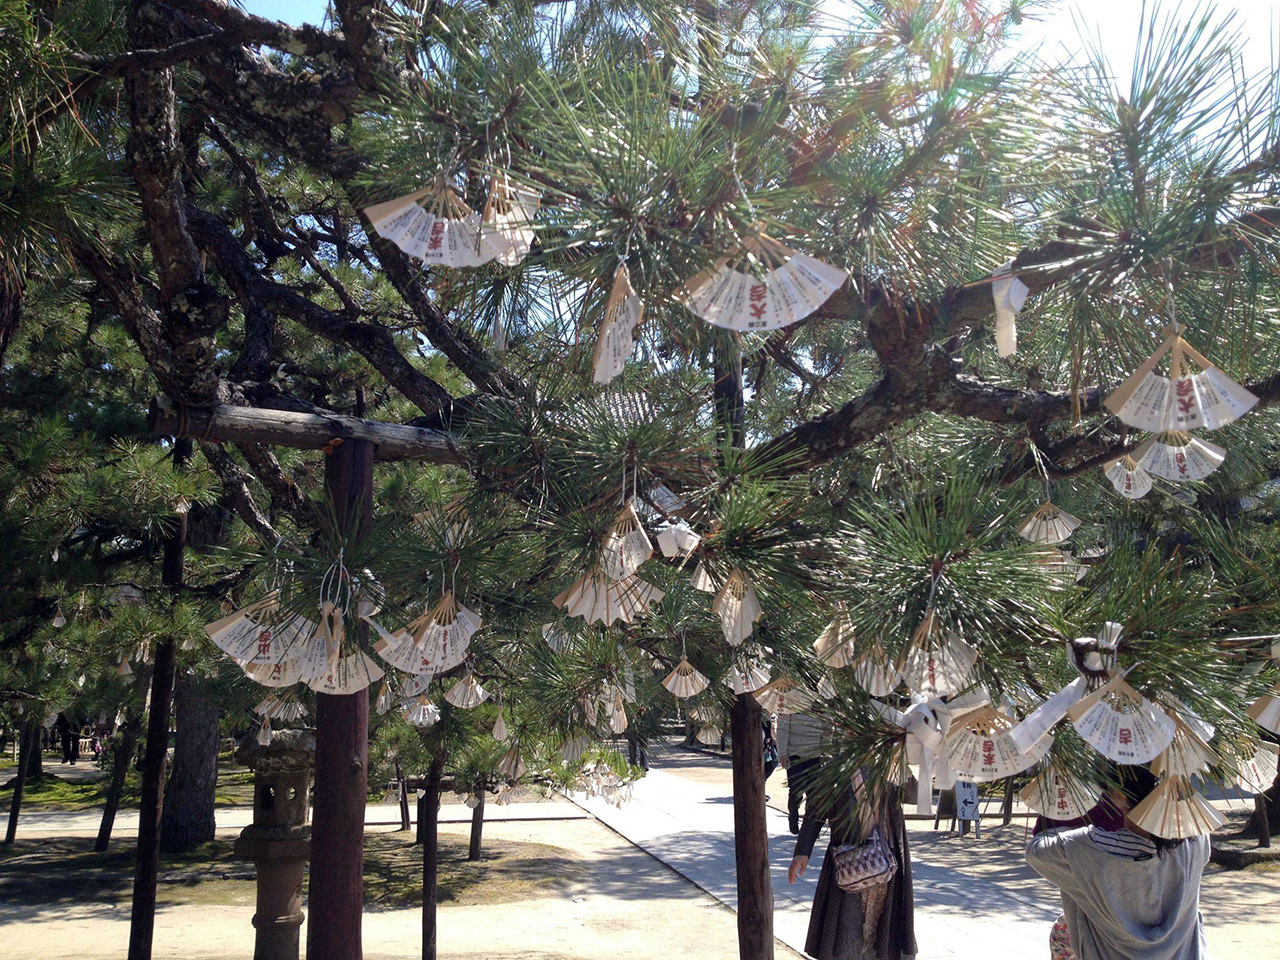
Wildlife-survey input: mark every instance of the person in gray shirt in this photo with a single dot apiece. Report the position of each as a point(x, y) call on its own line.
point(803, 740)
point(1126, 894)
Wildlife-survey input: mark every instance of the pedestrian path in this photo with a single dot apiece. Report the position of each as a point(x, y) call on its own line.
point(687, 823)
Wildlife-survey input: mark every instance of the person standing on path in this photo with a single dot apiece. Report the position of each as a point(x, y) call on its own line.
point(877, 923)
point(802, 741)
point(1126, 895)
point(70, 737)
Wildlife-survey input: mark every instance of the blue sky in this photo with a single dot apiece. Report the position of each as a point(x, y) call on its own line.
point(1115, 21)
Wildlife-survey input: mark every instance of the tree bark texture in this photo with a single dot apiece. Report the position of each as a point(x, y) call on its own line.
point(121, 758)
point(477, 826)
point(431, 855)
point(28, 739)
point(188, 818)
point(402, 794)
point(151, 804)
point(335, 898)
point(750, 833)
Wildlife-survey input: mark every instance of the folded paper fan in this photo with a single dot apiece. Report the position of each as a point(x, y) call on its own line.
point(937, 669)
point(1258, 772)
point(499, 732)
point(1048, 523)
point(835, 645)
point(677, 540)
point(467, 692)
point(385, 699)
point(626, 546)
point(1181, 401)
point(1128, 479)
point(747, 676)
point(508, 218)
point(598, 599)
point(510, 794)
point(283, 674)
point(875, 672)
point(1122, 724)
point(709, 735)
point(616, 710)
point(784, 696)
point(264, 731)
point(434, 642)
point(1057, 795)
point(1175, 811)
point(231, 632)
point(421, 712)
point(763, 286)
point(702, 580)
point(623, 312)
point(574, 747)
point(1265, 711)
point(1187, 755)
point(979, 748)
point(737, 607)
point(685, 681)
point(436, 227)
point(349, 674)
point(556, 636)
point(1061, 567)
point(511, 767)
point(1179, 457)
point(1009, 294)
point(827, 687)
point(277, 708)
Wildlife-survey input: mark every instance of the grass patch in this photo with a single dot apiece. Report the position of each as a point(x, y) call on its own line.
point(51, 792)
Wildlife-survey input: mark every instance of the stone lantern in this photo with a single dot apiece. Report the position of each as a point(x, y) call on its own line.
point(279, 839)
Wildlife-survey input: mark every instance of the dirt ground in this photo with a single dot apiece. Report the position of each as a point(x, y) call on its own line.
point(546, 890)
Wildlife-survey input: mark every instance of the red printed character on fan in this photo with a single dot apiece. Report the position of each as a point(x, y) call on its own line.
point(1125, 736)
point(264, 643)
point(437, 235)
point(758, 302)
point(1186, 393)
point(988, 753)
point(1180, 459)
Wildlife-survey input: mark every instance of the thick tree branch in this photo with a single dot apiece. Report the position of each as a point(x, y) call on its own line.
point(235, 481)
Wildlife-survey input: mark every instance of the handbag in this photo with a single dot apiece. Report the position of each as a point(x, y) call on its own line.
point(867, 863)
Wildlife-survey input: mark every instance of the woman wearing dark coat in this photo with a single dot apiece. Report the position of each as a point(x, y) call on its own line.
point(873, 924)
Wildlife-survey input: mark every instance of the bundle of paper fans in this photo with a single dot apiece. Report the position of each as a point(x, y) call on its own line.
point(939, 661)
point(279, 709)
point(1169, 407)
point(611, 591)
point(437, 227)
point(433, 643)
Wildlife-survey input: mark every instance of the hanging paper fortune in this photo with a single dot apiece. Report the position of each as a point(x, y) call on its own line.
point(437, 227)
point(623, 312)
point(765, 285)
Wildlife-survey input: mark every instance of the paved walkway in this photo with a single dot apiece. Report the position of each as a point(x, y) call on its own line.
point(686, 821)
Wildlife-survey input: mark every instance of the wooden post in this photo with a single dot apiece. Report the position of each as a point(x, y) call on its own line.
point(750, 832)
point(431, 854)
point(1262, 820)
point(402, 793)
point(151, 806)
point(335, 901)
point(477, 825)
point(28, 739)
point(1007, 806)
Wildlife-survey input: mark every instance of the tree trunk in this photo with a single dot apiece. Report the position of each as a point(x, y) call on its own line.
point(750, 833)
point(402, 793)
point(121, 757)
point(1262, 821)
point(188, 818)
point(28, 740)
point(431, 854)
point(1007, 806)
point(477, 825)
point(35, 755)
point(336, 896)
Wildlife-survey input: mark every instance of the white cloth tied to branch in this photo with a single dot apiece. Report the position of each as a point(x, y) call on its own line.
point(1009, 294)
point(926, 724)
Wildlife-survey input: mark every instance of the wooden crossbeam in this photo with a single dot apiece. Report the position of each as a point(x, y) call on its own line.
point(304, 431)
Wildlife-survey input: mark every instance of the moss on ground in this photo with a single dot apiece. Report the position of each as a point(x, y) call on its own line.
point(66, 871)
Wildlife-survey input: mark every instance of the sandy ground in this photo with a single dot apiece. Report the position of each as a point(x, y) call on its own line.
point(616, 902)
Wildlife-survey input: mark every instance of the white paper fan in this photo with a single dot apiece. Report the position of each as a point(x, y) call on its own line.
point(232, 633)
point(436, 227)
point(421, 712)
point(598, 599)
point(784, 696)
point(556, 636)
point(1181, 401)
point(747, 676)
point(616, 711)
point(1009, 294)
point(979, 748)
point(508, 216)
point(467, 692)
point(283, 674)
point(835, 645)
point(685, 681)
point(511, 767)
point(1128, 479)
point(510, 794)
point(1187, 755)
point(875, 673)
point(499, 732)
point(1175, 811)
point(626, 546)
point(1057, 795)
point(1258, 772)
point(827, 687)
point(1048, 523)
point(677, 539)
point(349, 674)
point(936, 668)
point(574, 747)
point(702, 580)
point(278, 708)
point(764, 286)
point(1179, 457)
point(432, 643)
point(737, 607)
point(1265, 711)
point(709, 735)
point(623, 312)
point(264, 731)
point(386, 698)
point(1122, 724)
